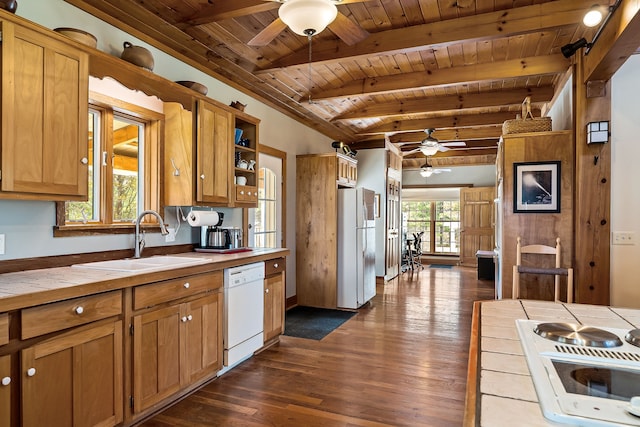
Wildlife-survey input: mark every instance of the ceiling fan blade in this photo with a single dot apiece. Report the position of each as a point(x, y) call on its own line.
point(406, 153)
point(348, 31)
point(267, 35)
point(454, 144)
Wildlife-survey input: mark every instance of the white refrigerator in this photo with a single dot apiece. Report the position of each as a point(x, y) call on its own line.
point(356, 247)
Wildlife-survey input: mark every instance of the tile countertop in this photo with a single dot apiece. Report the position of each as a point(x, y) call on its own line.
point(35, 287)
point(499, 386)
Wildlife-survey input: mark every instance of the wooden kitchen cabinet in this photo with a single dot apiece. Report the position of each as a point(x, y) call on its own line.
point(5, 391)
point(317, 181)
point(347, 171)
point(178, 344)
point(74, 378)
point(43, 117)
point(274, 298)
point(214, 133)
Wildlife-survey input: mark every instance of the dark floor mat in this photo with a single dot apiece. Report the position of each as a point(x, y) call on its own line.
point(313, 323)
point(440, 266)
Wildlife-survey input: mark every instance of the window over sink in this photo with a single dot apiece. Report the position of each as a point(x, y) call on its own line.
point(123, 169)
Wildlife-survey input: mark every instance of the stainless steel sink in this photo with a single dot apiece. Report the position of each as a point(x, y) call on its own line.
point(158, 262)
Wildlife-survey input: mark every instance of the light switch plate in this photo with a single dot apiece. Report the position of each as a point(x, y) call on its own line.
point(623, 238)
point(1, 244)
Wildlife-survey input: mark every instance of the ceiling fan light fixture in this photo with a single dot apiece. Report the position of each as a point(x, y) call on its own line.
point(593, 16)
point(429, 150)
point(426, 172)
point(307, 17)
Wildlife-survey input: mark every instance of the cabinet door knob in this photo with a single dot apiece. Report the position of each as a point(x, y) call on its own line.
point(84, 161)
point(6, 381)
point(266, 291)
point(241, 192)
point(183, 319)
point(189, 317)
point(79, 310)
point(202, 176)
point(248, 193)
point(186, 285)
point(31, 372)
point(275, 265)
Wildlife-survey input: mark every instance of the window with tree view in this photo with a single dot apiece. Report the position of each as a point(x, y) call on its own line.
point(122, 167)
point(440, 221)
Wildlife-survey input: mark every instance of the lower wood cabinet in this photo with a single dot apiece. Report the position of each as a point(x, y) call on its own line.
point(74, 379)
point(5, 391)
point(175, 346)
point(274, 297)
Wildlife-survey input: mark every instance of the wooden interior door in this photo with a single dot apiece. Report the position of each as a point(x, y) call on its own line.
point(393, 229)
point(476, 223)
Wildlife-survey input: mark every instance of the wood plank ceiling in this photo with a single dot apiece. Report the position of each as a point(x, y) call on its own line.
point(462, 67)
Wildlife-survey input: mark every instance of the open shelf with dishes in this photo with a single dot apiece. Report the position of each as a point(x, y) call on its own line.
point(246, 160)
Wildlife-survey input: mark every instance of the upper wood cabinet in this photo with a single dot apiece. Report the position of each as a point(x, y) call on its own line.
point(347, 172)
point(44, 116)
point(214, 132)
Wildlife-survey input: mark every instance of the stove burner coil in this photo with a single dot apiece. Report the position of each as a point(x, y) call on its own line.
point(569, 333)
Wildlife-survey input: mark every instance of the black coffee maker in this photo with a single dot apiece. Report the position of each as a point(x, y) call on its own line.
point(214, 237)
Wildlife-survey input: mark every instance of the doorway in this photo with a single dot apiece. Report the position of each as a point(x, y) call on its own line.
point(266, 222)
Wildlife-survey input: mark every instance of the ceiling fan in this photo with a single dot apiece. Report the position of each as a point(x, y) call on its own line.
point(427, 170)
point(430, 146)
point(310, 17)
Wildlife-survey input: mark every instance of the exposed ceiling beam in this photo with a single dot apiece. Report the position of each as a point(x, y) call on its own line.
point(221, 10)
point(451, 102)
point(435, 35)
point(618, 40)
point(462, 134)
point(478, 159)
point(497, 70)
point(455, 121)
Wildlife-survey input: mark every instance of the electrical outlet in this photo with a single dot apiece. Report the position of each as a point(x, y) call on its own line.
point(1, 244)
point(624, 238)
point(171, 237)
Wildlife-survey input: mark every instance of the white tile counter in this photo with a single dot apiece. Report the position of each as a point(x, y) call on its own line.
point(500, 391)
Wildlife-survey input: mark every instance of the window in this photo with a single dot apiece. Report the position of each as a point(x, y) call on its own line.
point(440, 221)
point(123, 168)
point(265, 214)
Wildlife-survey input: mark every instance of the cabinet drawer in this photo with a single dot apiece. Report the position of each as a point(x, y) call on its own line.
point(66, 314)
point(159, 292)
point(274, 266)
point(4, 328)
point(245, 193)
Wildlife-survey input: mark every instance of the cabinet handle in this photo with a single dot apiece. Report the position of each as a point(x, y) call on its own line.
point(184, 319)
point(84, 161)
point(241, 192)
point(202, 176)
point(79, 310)
point(266, 291)
point(189, 317)
point(6, 381)
point(186, 285)
point(275, 265)
point(31, 372)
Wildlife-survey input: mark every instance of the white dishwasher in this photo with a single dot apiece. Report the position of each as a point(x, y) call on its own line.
point(243, 312)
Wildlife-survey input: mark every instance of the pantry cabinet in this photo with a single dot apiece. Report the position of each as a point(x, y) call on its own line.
point(74, 379)
point(177, 341)
point(43, 116)
point(274, 298)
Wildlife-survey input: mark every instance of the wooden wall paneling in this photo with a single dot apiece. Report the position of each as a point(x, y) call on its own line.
point(593, 196)
point(540, 228)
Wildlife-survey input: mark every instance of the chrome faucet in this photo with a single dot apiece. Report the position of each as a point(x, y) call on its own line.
point(139, 239)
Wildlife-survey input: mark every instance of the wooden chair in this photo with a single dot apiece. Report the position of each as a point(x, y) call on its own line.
point(557, 271)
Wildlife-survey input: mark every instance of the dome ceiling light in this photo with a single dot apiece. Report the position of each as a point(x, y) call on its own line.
point(307, 17)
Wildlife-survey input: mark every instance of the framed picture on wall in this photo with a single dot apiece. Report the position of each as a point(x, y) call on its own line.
point(536, 187)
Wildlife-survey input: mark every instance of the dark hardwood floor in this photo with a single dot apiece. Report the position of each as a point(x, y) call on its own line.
point(401, 361)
